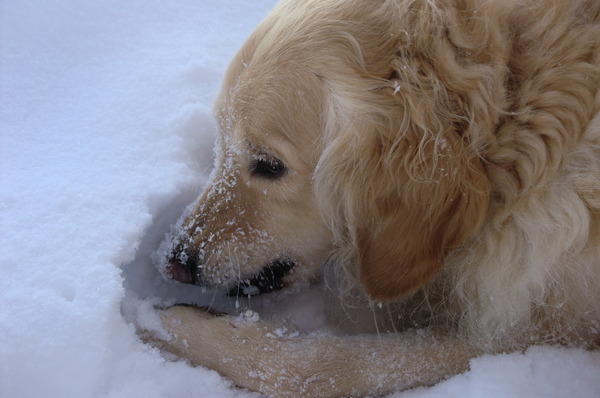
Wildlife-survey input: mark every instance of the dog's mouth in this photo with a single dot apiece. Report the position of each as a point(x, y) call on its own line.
point(269, 279)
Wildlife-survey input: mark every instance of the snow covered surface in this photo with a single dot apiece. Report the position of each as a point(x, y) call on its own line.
point(106, 134)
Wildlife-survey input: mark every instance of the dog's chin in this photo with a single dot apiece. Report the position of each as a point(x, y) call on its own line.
point(269, 279)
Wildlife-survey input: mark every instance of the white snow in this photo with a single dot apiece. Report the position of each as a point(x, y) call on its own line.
point(106, 133)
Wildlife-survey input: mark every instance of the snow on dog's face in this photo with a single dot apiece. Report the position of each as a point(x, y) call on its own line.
point(338, 134)
point(256, 225)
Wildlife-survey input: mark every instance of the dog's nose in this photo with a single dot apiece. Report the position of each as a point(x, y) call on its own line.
point(184, 272)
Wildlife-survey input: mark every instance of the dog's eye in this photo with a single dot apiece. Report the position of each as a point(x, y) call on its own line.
point(267, 167)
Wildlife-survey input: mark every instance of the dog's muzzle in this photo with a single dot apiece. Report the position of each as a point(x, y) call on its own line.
point(269, 279)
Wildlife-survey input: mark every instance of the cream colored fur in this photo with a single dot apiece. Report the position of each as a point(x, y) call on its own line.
point(443, 156)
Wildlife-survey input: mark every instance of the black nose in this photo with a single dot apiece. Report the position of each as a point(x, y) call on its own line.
point(184, 272)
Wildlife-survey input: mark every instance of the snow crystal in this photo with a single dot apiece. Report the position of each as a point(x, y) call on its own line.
point(249, 316)
point(250, 290)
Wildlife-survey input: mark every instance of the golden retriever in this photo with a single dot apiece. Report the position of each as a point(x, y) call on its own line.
point(441, 160)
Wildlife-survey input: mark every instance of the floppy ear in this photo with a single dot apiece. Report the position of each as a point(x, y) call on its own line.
point(403, 200)
point(416, 216)
point(401, 178)
point(400, 182)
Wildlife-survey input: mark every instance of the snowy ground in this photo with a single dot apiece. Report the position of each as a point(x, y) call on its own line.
point(105, 135)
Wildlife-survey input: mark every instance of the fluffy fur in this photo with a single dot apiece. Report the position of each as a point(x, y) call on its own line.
point(442, 156)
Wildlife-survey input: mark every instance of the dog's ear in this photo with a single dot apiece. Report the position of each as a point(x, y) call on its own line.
point(416, 216)
point(403, 187)
point(402, 178)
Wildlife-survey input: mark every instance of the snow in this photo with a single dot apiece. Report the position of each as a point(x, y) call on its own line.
point(106, 134)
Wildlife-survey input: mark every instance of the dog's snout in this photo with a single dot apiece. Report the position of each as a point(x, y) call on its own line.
point(183, 271)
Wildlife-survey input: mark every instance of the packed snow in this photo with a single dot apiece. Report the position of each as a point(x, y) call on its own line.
point(106, 134)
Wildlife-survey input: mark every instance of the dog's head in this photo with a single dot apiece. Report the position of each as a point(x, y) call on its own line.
point(339, 129)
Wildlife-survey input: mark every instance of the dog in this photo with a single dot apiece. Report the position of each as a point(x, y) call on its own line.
point(438, 159)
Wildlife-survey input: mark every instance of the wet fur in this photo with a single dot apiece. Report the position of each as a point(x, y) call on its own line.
point(444, 159)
